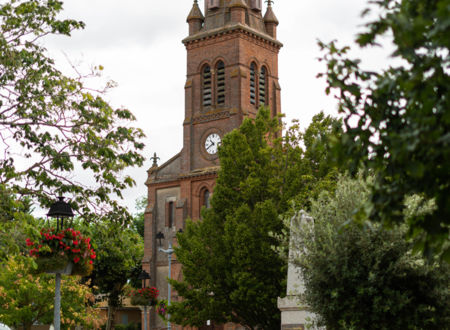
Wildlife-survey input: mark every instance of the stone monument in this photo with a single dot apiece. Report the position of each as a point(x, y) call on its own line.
point(294, 314)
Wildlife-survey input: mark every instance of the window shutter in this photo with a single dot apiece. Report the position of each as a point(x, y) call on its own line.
point(220, 83)
point(253, 83)
point(206, 86)
point(262, 86)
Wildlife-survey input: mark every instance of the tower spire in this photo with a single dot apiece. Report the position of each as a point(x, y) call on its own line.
point(270, 20)
point(195, 19)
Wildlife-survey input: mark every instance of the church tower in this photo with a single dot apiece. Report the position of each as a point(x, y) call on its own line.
point(232, 70)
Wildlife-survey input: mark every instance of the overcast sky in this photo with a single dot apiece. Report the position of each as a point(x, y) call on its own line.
point(139, 44)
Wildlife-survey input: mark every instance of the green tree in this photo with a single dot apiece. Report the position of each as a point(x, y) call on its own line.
point(138, 217)
point(57, 124)
point(119, 250)
point(231, 270)
point(367, 277)
point(398, 119)
point(16, 224)
point(26, 298)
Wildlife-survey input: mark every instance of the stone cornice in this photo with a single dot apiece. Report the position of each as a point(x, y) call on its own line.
point(204, 172)
point(200, 172)
point(204, 35)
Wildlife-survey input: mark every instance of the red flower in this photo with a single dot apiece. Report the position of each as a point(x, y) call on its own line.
point(75, 242)
point(91, 262)
point(76, 259)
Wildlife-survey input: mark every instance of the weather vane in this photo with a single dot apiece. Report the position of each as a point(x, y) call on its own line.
point(155, 159)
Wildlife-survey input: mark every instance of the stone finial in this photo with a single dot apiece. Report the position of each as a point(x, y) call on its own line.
point(270, 17)
point(155, 160)
point(270, 21)
point(195, 19)
point(195, 13)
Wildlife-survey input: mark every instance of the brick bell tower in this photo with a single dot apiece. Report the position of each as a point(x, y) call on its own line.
point(232, 70)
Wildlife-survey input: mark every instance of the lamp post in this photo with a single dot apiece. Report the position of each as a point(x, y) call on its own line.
point(59, 210)
point(169, 251)
point(144, 276)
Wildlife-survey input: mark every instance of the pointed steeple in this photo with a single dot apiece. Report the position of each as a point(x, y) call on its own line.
point(270, 20)
point(229, 15)
point(195, 19)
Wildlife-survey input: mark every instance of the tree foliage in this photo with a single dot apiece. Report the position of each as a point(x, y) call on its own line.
point(138, 217)
point(26, 298)
point(51, 125)
point(398, 119)
point(367, 277)
point(16, 224)
point(231, 269)
point(119, 250)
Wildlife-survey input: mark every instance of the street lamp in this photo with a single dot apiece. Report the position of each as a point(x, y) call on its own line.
point(59, 210)
point(169, 251)
point(144, 276)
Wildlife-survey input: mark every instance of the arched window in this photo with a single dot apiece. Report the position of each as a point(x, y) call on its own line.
point(206, 85)
point(263, 86)
point(220, 82)
point(171, 214)
point(253, 83)
point(206, 196)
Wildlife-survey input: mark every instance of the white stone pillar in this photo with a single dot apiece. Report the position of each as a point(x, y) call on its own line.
point(294, 314)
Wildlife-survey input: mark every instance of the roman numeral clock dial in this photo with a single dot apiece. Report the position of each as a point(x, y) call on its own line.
point(212, 143)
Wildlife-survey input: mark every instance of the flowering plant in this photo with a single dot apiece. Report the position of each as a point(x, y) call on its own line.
point(161, 309)
point(144, 296)
point(54, 250)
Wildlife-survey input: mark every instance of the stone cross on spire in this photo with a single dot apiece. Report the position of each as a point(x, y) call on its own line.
point(269, 2)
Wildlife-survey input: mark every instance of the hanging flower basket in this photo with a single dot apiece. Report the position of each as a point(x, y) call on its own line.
point(144, 297)
point(66, 252)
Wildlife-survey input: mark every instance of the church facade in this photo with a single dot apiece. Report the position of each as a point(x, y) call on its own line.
point(232, 69)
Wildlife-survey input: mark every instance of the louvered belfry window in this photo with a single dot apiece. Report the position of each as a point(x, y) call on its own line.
point(171, 214)
point(253, 83)
point(206, 202)
point(220, 86)
point(262, 86)
point(206, 86)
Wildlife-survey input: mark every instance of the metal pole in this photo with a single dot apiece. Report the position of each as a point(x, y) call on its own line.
point(169, 327)
point(56, 315)
point(169, 252)
point(145, 317)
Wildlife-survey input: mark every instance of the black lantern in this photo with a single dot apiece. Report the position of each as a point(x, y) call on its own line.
point(160, 236)
point(144, 276)
point(60, 210)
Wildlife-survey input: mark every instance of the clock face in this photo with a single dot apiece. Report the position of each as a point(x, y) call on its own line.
point(212, 143)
